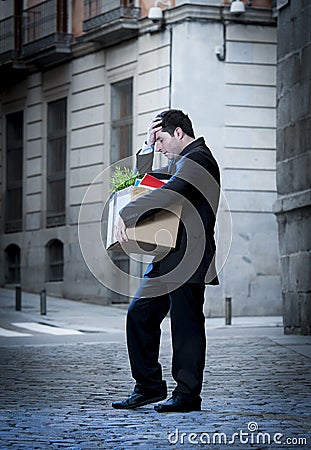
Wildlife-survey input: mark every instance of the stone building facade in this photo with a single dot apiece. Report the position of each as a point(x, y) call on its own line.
point(293, 207)
point(77, 98)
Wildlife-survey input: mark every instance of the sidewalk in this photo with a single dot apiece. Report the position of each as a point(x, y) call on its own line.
point(93, 318)
point(57, 392)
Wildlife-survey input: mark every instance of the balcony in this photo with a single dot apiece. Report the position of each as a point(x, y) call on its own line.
point(45, 39)
point(9, 49)
point(11, 66)
point(110, 21)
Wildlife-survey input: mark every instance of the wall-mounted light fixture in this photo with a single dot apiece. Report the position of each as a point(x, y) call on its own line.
point(237, 7)
point(156, 13)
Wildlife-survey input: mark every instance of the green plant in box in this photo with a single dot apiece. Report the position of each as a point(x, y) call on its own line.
point(123, 178)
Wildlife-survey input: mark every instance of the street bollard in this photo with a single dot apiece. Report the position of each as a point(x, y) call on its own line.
point(228, 310)
point(18, 298)
point(43, 302)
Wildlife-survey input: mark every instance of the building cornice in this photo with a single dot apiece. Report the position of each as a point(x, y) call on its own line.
point(81, 48)
point(180, 14)
point(293, 201)
point(211, 13)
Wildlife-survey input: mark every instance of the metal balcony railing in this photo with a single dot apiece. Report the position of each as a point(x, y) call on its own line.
point(94, 8)
point(45, 24)
point(10, 38)
point(7, 35)
point(100, 12)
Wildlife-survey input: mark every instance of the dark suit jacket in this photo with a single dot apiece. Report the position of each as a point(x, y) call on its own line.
point(194, 180)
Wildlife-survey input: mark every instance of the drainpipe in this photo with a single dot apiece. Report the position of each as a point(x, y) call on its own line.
point(171, 63)
point(221, 53)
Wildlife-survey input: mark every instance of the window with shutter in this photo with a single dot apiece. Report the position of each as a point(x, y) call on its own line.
point(56, 163)
point(13, 201)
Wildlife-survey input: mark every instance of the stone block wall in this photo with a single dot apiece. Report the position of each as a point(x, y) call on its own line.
point(293, 207)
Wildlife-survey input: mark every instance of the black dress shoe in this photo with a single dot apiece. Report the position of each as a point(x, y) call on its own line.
point(138, 399)
point(179, 403)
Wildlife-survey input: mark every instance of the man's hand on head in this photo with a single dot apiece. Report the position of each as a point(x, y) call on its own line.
point(154, 126)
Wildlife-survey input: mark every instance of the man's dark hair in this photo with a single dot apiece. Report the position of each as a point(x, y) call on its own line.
point(173, 118)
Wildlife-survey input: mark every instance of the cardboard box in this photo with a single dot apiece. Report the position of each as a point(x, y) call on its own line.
point(153, 236)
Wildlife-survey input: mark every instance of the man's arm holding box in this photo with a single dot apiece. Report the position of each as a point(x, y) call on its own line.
point(144, 161)
point(140, 210)
point(195, 175)
point(158, 199)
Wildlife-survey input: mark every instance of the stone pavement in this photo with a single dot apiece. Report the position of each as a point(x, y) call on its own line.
point(56, 391)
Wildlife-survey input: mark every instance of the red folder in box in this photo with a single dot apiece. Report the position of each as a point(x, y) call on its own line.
point(151, 182)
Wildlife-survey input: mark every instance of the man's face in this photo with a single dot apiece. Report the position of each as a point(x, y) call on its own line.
point(168, 145)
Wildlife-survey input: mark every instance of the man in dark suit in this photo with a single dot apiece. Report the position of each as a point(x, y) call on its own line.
point(176, 281)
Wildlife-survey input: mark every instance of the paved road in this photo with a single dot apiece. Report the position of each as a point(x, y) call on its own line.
point(56, 390)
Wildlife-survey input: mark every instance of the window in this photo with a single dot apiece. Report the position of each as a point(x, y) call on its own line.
point(12, 264)
point(13, 215)
point(121, 120)
point(107, 5)
point(44, 19)
point(120, 148)
point(56, 163)
point(55, 260)
point(93, 8)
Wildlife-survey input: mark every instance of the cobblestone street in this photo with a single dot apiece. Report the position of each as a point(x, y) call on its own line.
point(58, 394)
point(155, 161)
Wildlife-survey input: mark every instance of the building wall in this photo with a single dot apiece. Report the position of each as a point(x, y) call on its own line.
point(293, 164)
point(230, 102)
point(153, 89)
point(86, 83)
point(252, 272)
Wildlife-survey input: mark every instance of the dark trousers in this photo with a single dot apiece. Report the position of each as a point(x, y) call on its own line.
point(145, 314)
